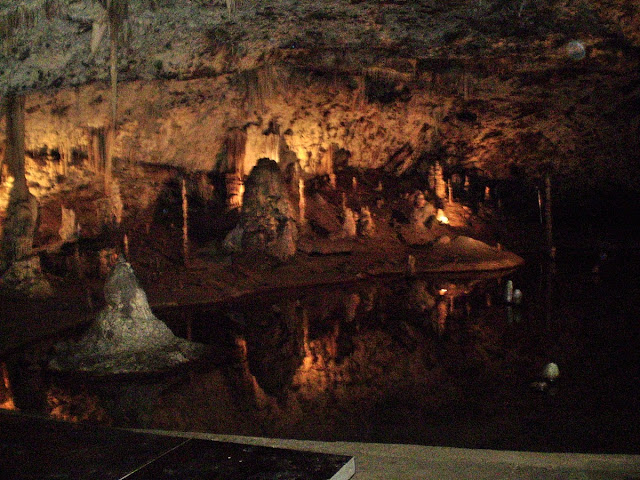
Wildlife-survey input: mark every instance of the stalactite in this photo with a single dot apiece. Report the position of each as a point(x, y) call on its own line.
point(235, 189)
point(15, 150)
point(117, 12)
point(359, 96)
point(97, 148)
point(440, 184)
point(27, 16)
point(258, 86)
point(387, 75)
point(231, 7)
point(269, 82)
point(235, 146)
point(125, 245)
point(330, 162)
point(273, 147)
point(301, 203)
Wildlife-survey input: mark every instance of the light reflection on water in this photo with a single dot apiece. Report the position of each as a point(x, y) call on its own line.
point(407, 360)
point(6, 395)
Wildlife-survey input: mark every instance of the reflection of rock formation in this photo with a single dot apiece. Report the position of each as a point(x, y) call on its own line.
point(267, 221)
point(333, 362)
point(301, 342)
point(274, 347)
point(6, 395)
point(419, 297)
point(432, 303)
point(75, 406)
point(439, 316)
point(126, 337)
point(317, 373)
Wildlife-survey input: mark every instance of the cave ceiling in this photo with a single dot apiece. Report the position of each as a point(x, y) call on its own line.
point(554, 65)
point(47, 43)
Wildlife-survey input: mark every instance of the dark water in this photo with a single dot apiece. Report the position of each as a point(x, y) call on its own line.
point(432, 361)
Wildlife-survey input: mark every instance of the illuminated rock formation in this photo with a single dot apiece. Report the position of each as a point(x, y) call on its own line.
point(19, 267)
point(266, 223)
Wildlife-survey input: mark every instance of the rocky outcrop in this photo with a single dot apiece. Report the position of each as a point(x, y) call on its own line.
point(505, 87)
point(20, 272)
point(126, 337)
point(422, 227)
point(267, 221)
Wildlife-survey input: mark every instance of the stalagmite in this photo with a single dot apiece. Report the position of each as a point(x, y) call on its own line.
point(125, 242)
point(6, 395)
point(185, 224)
point(508, 291)
point(267, 223)
point(440, 184)
point(68, 229)
point(302, 204)
point(125, 337)
point(411, 265)
point(349, 226)
point(365, 225)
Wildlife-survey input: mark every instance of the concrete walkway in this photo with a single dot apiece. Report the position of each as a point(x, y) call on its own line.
point(36, 448)
point(376, 461)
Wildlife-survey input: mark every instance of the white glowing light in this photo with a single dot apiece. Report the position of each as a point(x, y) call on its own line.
point(575, 50)
point(551, 371)
point(441, 217)
point(241, 193)
point(442, 291)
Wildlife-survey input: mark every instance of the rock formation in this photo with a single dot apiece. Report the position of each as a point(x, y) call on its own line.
point(266, 223)
point(422, 220)
point(366, 226)
point(20, 272)
point(19, 268)
point(126, 337)
point(422, 213)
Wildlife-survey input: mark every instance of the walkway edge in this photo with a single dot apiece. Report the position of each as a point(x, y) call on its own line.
point(394, 453)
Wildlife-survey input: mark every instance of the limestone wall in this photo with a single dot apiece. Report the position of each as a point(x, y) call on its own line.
point(186, 123)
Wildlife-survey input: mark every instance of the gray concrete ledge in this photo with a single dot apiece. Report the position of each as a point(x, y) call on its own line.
point(375, 461)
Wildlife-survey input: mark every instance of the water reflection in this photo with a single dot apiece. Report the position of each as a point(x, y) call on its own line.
point(6, 395)
point(274, 354)
point(419, 360)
